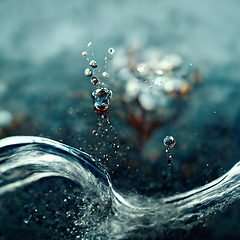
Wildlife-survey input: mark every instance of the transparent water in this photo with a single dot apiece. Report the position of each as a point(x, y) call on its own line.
point(106, 213)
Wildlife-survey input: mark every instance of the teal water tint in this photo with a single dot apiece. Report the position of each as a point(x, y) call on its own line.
point(26, 159)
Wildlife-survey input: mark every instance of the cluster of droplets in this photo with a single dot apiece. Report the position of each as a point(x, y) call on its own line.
point(101, 97)
point(105, 132)
point(102, 94)
point(107, 147)
point(73, 208)
point(169, 142)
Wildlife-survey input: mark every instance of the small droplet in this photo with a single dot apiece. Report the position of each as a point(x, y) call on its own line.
point(89, 44)
point(94, 80)
point(111, 50)
point(84, 54)
point(93, 64)
point(105, 74)
point(169, 161)
point(169, 141)
point(88, 72)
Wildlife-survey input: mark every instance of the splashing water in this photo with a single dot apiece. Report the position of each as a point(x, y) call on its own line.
point(24, 160)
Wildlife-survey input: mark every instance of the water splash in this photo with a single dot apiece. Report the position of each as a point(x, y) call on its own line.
point(26, 159)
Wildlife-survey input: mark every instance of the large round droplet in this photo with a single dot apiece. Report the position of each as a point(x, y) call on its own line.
point(101, 97)
point(169, 141)
point(102, 93)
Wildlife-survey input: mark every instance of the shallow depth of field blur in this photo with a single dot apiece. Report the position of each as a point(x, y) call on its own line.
point(44, 92)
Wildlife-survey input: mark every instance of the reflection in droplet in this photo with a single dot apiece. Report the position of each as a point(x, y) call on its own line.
point(101, 97)
point(169, 141)
point(94, 80)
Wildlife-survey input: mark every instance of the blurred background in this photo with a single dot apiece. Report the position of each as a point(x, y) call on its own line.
point(44, 91)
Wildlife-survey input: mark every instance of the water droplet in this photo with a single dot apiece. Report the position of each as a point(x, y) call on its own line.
point(84, 54)
point(169, 161)
point(105, 74)
point(169, 141)
point(94, 80)
point(88, 72)
point(93, 64)
point(102, 97)
point(111, 50)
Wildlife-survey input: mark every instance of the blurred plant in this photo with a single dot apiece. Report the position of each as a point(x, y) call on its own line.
point(153, 87)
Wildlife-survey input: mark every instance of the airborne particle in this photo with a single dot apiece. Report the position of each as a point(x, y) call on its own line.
point(84, 54)
point(111, 50)
point(93, 64)
point(94, 80)
point(169, 160)
point(101, 97)
point(169, 141)
point(105, 74)
point(88, 72)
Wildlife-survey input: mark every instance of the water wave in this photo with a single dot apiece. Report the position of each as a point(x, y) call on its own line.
point(25, 159)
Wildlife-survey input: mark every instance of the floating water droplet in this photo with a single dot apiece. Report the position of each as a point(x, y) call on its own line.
point(169, 161)
point(102, 92)
point(84, 54)
point(93, 64)
point(94, 80)
point(111, 50)
point(105, 74)
point(169, 141)
point(102, 97)
point(88, 72)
